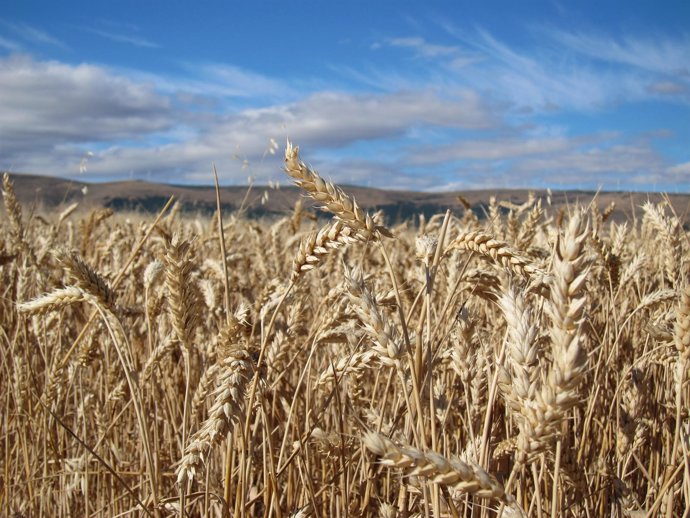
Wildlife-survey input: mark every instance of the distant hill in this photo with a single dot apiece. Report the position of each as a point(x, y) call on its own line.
point(45, 194)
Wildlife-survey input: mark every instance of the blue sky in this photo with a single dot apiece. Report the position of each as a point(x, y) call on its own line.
point(432, 95)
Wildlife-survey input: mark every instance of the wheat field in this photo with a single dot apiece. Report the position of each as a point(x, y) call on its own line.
point(526, 362)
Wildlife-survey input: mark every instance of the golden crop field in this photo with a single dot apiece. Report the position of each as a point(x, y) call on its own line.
point(528, 363)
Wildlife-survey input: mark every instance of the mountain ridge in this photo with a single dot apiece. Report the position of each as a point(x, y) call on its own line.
point(47, 193)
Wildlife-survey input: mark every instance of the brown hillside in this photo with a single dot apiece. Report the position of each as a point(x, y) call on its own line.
point(45, 193)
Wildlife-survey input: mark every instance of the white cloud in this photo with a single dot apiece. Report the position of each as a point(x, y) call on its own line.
point(490, 149)
point(680, 169)
point(526, 161)
point(49, 107)
point(368, 116)
point(323, 120)
point(53, 112)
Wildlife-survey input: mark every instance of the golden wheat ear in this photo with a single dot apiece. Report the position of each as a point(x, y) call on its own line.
point(332, 198)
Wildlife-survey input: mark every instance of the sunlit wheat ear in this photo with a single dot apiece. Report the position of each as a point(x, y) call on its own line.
point(52, 301)
point(488, 246)
point(152, 273)
point(163, 349)
point(350, 365)
point(14, 210)
point(203, 388)
point(672, 236)
point(88, 228)
point(87, 278)
point(387, 342)
point(454, 473)
point(681, 335)
point(184, 297)
point(545, 413)
point(519, 377)
point(317, 245)
point(332, 198)
point(227, 410)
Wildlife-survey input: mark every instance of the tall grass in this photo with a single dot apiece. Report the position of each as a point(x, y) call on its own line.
point(527, 363)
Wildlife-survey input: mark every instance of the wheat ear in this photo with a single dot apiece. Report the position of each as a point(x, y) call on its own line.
point(519, 376)
point(333, 199)
point(488, 246)
point(183, 299)
point(387, 342)
point(52, 301)
point(316, 245)
point(545, 413)
point(454, 473)
point(87, 278)
point(228, 407)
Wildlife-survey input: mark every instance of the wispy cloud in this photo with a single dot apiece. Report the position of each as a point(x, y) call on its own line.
point(455, 56)
point(423, 48)
point(537, 79)
point(210, 84)
point(220, 79)
point(130, 39)
point(658, 54)
point(668, 88)
point(10, 45)
point(680, 169)
point(573, 71)
point(32, 34)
